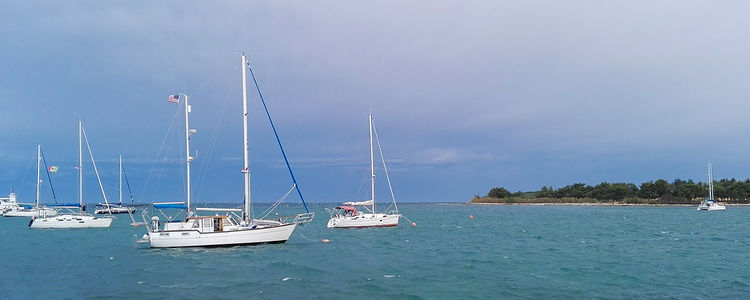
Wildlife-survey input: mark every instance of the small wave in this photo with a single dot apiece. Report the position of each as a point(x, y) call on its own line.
point(390, 276)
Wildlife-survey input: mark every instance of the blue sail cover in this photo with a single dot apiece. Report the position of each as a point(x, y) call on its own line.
point(163, 206)
point(26, 206)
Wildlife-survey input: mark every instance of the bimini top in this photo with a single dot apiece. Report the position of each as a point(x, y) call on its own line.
point(347, 208)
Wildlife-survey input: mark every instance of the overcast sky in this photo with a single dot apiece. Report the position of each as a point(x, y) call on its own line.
point(467, 95)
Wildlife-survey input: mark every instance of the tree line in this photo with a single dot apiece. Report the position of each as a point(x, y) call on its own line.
point(660, 191)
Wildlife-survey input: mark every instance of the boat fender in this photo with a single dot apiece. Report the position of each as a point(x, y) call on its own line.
point(31, 221)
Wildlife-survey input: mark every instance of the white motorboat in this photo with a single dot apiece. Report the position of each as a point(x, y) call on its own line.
point(73, 219)
point(347, 216)
point(8, 203)
point(228, 229)
point(11, 208)
point(710, 203)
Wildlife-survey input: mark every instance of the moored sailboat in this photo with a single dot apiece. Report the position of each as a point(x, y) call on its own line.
point(347, 215)
point(228, 229)
point(118, 208)
point(11, 208)
point(74, 219)
point(710, 203)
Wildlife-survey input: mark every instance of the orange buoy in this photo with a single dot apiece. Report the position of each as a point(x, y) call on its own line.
point(326, 240)
point(471, 216)
point(413, 224)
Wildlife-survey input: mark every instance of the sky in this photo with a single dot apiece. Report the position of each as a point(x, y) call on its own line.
point(466, 95)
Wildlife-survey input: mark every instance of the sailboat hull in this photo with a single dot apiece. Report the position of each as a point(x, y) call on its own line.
point(195, 238)
point(364, 221)
point(30, 213)
point(70, 221)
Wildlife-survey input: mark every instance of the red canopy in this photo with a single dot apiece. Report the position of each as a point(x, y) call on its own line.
point(347, 208)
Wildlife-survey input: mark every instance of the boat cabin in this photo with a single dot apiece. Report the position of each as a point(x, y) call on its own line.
point(210, 223)
point(347, 211)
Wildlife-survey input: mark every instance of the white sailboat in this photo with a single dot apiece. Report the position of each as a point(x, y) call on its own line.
point(710, 204)
point(75, 219)
point(228, 229)
point(15, 209)
point(105, 208)
point(347, 215)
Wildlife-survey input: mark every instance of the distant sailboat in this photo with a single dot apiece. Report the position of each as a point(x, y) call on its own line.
point(75, 219)
point(710, 203)
point(15, 209)
point(104, 208)
point(347, 215)
point(218, 230)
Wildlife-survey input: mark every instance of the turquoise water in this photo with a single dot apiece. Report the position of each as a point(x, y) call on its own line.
point(504, 252)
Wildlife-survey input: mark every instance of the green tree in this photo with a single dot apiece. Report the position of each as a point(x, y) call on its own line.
point(498, 192)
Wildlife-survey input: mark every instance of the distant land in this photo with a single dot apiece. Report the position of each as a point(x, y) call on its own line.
point(658, 192)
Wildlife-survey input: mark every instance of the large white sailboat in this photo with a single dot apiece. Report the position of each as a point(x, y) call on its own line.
point(228, 229)
point(15, 209)
point(710, 203)
point(106, 208)
point(74, 219)
point(347, 215)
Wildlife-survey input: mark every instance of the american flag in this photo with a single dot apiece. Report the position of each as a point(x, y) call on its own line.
point(174, 98)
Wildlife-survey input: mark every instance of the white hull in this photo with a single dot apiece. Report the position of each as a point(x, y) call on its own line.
point(195, 238)
point(45, 212)
point(363, 220)
point(114, 210)
point(71, 221)
point(712, 207)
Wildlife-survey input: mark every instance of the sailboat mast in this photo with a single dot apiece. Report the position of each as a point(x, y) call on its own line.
point(38, 164)
point(187, 151)
point(120, 179)
point(80, 165)
point(245, 146)
point(372, 167)
point(710, 182)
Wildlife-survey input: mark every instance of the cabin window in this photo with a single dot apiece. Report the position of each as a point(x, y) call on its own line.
point(195, 224)
point(208, 223)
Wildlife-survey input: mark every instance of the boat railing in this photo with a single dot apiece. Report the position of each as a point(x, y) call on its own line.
point(393, 212)
point(302, 218)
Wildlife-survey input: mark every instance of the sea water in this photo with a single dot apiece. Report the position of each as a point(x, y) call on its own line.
point(502, 252)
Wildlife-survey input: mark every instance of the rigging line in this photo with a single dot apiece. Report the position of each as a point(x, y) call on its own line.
point(96, 171)
point(294, 180)
point(212, 147)
point(49, 179)
point(132, 201)
point(161, 147)
point(388, 178)
point(270, 209)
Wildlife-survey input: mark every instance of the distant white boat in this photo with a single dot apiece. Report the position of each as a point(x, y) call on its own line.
point(219, 230)
point(8, 203)
point(75, 219)
point(347, 215)
point(709, 203)
point(118, 208)
point(11, 208)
